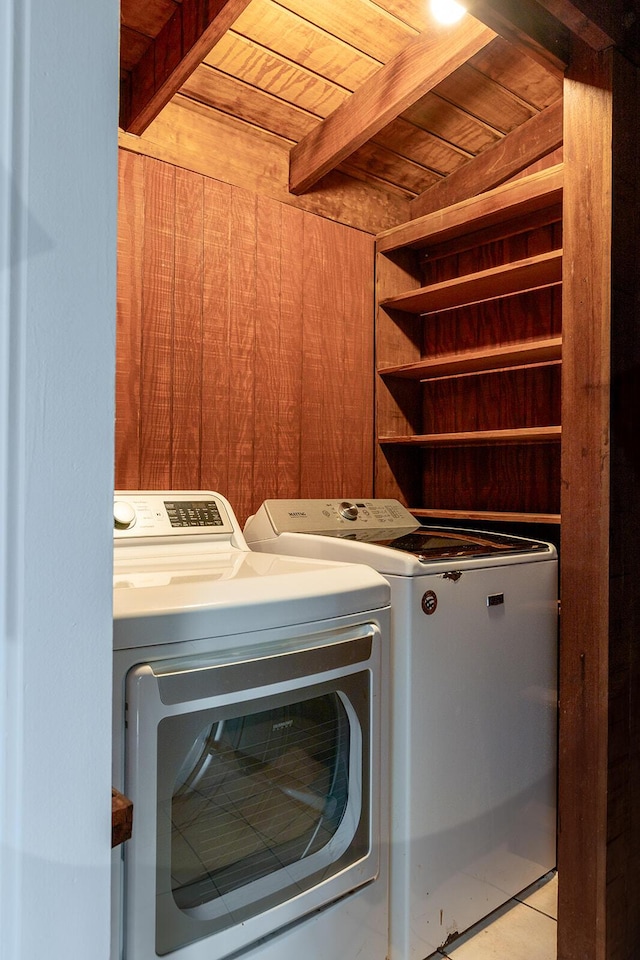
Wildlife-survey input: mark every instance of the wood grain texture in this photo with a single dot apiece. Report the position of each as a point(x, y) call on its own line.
point(284, 70)
point(245, 343)
point(121, 818)
point(533, 139)
point(484, 436)
point(216, 366)
point(600, 25)
point(520, 276)
point(216, 145)
point(156, 361)
point(529, 27)
point(521, 197)
point(186, 395)
point(180, 45)
point(584, 651)
point(381, 99)
point(599, 841)
point(129, 317)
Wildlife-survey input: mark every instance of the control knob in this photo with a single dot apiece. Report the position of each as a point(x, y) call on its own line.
point(348, 510)
point(124, 516)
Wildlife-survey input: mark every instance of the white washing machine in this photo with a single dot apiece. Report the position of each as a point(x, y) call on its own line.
point(473, 704)
point(249, 724)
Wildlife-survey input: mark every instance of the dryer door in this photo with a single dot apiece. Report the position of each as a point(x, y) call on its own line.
point(252, 787)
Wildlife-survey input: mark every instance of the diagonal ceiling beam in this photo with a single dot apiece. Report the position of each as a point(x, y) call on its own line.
point(528, 26)
point(600, 24)
point(519, 149)
point(416, 70)
point(182, 44)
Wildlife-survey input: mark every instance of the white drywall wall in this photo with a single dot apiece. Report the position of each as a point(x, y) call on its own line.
point(58, 146)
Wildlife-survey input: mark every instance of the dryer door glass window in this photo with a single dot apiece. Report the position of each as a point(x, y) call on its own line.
point(257, 794)
point(260, 803)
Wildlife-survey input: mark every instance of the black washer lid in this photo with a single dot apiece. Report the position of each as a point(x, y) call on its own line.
point(428, 544)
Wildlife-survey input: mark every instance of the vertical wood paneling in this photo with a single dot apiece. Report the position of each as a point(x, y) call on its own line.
point(156, 367)
point(334, 345)
point(290, 387)
point(267, 350)
point(245, 330)
point(216, 368)
point(242, 343)
point(357, 352)
point(313, 368)
point(186, 394)
point(129, 320)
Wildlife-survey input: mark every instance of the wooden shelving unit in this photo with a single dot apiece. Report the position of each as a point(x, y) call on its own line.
point(468, 362)
point(482, 516)
point(469, 352)
point(530, 274)
point(480, 438)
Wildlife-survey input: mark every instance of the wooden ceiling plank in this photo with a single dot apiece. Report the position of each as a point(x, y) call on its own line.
point(268, 71)
point(385, 164)
point(536, 138)
point(282, 32)
point(416, 144)
point(527, 26)
point(485, 99)
point(401, 82)
point(522, 76)
point(414, 12)
point(180, 46)
point(451, 124)
point(360, 23)
point(239, 99)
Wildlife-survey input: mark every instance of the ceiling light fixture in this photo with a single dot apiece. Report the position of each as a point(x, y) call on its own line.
point(447, 11)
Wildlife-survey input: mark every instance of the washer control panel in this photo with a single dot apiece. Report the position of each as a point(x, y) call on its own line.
point(170, 514)
point(360, 519)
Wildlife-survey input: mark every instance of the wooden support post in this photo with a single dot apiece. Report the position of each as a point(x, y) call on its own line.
point(599, 835)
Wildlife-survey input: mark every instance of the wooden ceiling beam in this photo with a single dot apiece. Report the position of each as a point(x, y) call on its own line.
point(529, 142)
point(601, 25)
point(184, 41)
point(529, 27)
point(421, 66)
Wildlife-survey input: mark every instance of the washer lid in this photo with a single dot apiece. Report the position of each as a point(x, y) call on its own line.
point(166, 599)
point(381, 533)
point(442, 543)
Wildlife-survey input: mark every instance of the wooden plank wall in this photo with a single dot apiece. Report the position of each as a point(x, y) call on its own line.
point(244, 342)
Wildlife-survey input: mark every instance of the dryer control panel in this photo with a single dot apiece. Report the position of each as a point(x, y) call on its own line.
point(358, 519)
point(139, 514)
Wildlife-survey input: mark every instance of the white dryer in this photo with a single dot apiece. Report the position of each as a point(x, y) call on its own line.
point(473, 704)
point(249, 714)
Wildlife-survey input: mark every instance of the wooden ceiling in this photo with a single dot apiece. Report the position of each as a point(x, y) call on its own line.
point(373, 89)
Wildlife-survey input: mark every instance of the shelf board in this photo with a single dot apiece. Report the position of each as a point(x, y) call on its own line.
point(502, 517)
point(480, 361)
point(521, 276)
point(478, 438)
point(509, 201)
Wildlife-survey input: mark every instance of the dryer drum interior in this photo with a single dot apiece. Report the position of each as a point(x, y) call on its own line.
point(263, 791)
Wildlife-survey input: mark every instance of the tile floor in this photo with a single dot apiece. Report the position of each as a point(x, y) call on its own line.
point(523, 929)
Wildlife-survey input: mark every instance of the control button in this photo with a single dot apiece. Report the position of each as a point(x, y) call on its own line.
point(348, 510)
point(124, 516)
